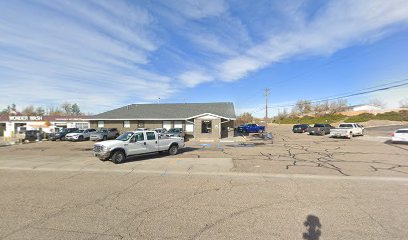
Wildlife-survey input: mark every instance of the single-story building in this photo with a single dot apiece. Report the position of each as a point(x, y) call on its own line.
point(200, 120)
point(15, 123)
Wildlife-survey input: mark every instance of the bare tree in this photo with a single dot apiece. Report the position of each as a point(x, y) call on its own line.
point(338, 106)
point(404, 103)
point(9, 110)
point(377, 103)
point(39, 111)
point(29, 110)
point(54, 111)
point(245, 117)
point(67, 107)
point(321, 108)
point(303, 107)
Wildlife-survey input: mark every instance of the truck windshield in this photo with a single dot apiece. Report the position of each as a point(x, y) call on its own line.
point(319, 125)
point(124, 137)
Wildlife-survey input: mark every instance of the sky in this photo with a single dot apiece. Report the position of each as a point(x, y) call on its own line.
point(105, 54)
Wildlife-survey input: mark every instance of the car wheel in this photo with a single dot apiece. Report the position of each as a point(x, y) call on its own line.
point(81, 138)
point(173, 150)
point(105, 138)
point(350, 136)
point(118, 157)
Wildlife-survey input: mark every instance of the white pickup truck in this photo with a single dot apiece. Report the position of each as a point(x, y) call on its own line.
point(136, 143)
point(348, 130)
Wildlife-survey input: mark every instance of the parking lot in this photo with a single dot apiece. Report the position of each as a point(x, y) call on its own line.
point(352, 189)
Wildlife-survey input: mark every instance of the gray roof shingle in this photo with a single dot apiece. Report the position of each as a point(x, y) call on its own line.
point(168, 111)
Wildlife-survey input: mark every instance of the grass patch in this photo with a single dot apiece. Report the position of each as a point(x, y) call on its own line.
point(333, 118)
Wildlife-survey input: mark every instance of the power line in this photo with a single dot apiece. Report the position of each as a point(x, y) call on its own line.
point(364, 91)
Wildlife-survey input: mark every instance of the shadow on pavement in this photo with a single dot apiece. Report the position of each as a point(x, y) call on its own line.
point(157, 155)
point(313, 228)
point(397, 144)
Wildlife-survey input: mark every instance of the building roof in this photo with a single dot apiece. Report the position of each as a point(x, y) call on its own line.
point(168, 111)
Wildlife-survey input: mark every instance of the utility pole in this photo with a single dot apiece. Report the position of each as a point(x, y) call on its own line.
point(266, 92)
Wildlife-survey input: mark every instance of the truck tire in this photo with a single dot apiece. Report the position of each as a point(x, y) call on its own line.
point(118, 157)
point(173, 150)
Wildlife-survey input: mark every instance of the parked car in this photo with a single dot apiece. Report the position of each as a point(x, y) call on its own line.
point(136, 143)
point(31, 135)
point(104, 134)
point(320, 129)
point(61, 134)
point(175, 132)
point(347, 130)
point(300, 128)
point(160, 131)
point(400, 136)
point(251, 128)
point(80, 135)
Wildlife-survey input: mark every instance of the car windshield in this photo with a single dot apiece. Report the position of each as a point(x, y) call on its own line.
point(78, 131)
point(402, 131)
point(124, 137)
point(174, 130)
point(318, 125)
point(64, 130)
point(296, 126)
point(346, 125)
point(102, 131)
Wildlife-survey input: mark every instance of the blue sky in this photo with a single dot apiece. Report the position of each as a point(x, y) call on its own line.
point(105, 54)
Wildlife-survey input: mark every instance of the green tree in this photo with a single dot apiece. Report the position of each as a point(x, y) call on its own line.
point(75, 109)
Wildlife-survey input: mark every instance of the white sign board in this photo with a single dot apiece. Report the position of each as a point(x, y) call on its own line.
point(25, 118)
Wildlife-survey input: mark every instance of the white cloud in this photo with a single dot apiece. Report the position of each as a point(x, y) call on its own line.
point(192, 78)
point(196, 9)
point(337, 25)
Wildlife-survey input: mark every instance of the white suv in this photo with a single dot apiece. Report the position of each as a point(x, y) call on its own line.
point(80, 135)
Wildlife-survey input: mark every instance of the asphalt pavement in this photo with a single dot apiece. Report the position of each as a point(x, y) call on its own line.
point(298, 187)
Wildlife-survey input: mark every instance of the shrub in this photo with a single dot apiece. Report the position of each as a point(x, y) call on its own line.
point(364, 117)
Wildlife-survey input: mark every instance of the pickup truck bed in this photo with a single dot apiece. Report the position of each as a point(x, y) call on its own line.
point(347, 130)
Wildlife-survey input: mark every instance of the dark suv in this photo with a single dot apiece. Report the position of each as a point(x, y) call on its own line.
point(300, 128)
point(31, 135)
point(61, 134)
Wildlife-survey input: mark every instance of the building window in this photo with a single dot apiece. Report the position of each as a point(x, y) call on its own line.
point(140, 124)
point(82, 125)
point(206, 126)
point(126, 124)
point(167, 125)
point(101, 124)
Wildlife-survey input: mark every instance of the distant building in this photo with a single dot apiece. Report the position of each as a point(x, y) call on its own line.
point(13, 124)
point(201, 120)
point(365, 107)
